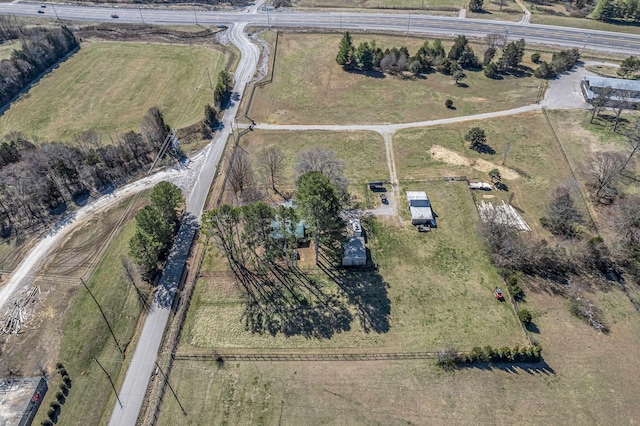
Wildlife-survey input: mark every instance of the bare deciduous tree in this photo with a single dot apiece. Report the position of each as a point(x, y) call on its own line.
point(271, 162)
point(562, 214)
point(627, 225)
point(601, 100)
point(621, 99)
point(239, 172)
point(605, 169)
point(153, 128)
point(495, 40)
point(325, 162)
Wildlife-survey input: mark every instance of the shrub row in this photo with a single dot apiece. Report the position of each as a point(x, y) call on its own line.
point(504, 354)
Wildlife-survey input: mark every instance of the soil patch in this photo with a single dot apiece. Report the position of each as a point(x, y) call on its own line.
point(442, 154)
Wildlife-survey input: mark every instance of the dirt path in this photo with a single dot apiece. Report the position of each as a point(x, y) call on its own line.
point(182, 175)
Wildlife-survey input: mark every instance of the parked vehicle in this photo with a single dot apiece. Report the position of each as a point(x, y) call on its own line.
point(498, 294)
point(383, 198)
point(43, 5)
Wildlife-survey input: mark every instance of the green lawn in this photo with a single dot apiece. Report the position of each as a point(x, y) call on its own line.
point(362, 152)
point(536, 162)
point(7, 47)
point(439, 287)
point(587, 378)
point(309, 87)
point(108, 87)
point(428, 5)
point(590, 24)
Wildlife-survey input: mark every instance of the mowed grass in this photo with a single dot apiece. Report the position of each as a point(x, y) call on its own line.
point(590, 378)
point(447, 5)
point(108, 87)
point(7, 47)
point(534, 157)
point(439, 287)
point(309, 87)
point(83, 334)
point(369, 164)
point(589, 24)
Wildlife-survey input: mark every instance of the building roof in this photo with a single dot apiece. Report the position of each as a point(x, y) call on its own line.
point(277, 234)
point(354, 248)
point(614, 83)
point(419, 205)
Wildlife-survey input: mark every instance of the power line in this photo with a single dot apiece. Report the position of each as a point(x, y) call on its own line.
point(110, 381)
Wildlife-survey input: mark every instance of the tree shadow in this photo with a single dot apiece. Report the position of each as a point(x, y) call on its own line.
point(365, 290)
point(540, 367)
point(367, 73)
point(462, 85)
point(287, 300)
point(532, 327)
point(485, 149)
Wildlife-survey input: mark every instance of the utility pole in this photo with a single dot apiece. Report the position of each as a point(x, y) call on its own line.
point(110, 381)
point(409, 24)
point(166, 380)
point(140, 10)
point(56, 12)
point(341, 22)
point(268, 18)
point(585, 43)
point(195, 13)
point(103, 316)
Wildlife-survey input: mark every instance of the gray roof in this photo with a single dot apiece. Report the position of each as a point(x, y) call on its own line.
point(355, 248)
point(614, 83)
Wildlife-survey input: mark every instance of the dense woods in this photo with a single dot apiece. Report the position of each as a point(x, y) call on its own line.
point(37, 181)
point(41, 48)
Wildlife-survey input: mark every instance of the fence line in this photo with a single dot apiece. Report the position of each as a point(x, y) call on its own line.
point(371, 356)
point(264, 81)
point(566, 160)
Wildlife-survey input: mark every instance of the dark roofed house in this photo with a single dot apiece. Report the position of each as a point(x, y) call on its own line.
point(627, 90)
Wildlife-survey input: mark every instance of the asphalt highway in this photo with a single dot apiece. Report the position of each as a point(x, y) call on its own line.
point(402, 23)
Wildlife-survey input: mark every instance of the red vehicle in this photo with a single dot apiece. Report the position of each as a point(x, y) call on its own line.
point(498, 293)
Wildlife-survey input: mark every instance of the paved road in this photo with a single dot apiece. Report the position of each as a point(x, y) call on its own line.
point(143, 361)
point(415, 24)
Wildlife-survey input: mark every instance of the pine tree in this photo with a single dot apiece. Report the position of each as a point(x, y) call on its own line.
point(345, 50)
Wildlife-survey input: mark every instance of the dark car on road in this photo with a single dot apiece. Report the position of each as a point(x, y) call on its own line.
point(40, 11)
point(114, 16)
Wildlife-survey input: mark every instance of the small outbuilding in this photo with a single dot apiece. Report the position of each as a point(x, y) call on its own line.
point(420, 207)
point(355, 252)
point(621, 90)
point(356, 227)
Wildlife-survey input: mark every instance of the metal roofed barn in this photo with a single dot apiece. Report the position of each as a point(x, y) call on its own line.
point(621, 88)
point(355, 252)
point(420, 207)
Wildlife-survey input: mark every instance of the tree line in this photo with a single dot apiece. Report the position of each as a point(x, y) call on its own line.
point(156, 226)
point(617, 10)
point(432, 56)
point(37, 180)
point(41, 48)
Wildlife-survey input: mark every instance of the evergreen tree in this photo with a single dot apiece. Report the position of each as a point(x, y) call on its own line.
point(345, 50)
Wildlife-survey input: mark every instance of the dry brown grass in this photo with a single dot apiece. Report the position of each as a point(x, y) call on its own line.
point(309, 87)
point(591, 378)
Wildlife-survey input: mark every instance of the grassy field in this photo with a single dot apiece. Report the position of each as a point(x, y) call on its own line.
point(589, 377)
point(7, 47)
point(428, 5)
point(309, 87)
point(590, 24)
point(535, 165)
point(67, 325)
point(108, 87)
point(369, 164)
point(438, 286)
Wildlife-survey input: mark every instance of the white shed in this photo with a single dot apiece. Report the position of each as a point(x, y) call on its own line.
point(420, 208)
point(355, 252)
point(356, 227)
